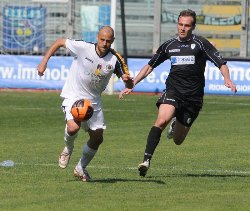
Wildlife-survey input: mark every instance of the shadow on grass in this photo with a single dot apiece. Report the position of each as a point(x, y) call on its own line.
point(202, 175)
point(153, 179)
point(215, 175)
point(114, 180)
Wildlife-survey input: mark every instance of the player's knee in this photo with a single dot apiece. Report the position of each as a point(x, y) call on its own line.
point(96, 137)
point(160, 123)
point(72, 130)
point(95, 143)
point(178, 142)
point(100, 140)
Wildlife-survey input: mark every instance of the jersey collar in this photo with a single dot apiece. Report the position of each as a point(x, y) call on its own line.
point(191, 38)
point(98, 54)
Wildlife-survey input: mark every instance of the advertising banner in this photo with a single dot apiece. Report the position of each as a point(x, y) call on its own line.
point(169, 17)
point(20, 72)
point(23, 28)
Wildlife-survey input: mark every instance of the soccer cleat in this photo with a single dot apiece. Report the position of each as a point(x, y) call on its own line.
point(82, 175)
point(143, 168)
point(64, 158)
point(170, 131)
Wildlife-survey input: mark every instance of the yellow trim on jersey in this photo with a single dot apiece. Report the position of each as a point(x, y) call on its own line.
point(121, 60)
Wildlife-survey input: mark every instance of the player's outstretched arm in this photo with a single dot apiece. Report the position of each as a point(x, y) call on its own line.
point(227, 81)
point(144, 72)
point(53, 48)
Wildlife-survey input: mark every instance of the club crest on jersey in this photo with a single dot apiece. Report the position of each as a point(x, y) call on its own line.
point(193, 46)
point(108, 69)
point(98, 69)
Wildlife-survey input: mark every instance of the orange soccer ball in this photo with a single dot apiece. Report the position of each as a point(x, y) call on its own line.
point(82, 110)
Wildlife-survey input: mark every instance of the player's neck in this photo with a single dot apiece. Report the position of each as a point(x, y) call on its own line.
point(187, 38)
point(100, 53)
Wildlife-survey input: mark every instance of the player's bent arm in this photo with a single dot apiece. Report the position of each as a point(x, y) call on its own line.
point(227, 81)
point(53, 48)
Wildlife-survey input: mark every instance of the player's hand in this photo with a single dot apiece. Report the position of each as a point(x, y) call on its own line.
point(125, 91)
point(129, 83)
point(41, 68)
point(231, 85)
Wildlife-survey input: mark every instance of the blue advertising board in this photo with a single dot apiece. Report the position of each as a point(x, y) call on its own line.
point(23, 28)
point(20, 72)
point(214, 83)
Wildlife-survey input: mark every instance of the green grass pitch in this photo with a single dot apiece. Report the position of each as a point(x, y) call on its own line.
point(209, 171)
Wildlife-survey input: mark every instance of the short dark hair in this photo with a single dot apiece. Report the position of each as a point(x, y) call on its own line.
point(188, 12)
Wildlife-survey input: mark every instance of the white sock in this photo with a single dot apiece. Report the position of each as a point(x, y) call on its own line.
point(69, 140)
point(88, 155)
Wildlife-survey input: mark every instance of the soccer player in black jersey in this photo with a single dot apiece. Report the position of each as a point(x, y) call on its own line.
point(182, 99)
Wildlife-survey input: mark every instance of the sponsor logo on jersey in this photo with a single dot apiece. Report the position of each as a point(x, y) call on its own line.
point(193, 46)
point(174, 50)
point(183, 46)
point(182, 60)
point(217, 54)
point(170, 99)
point(89, 59)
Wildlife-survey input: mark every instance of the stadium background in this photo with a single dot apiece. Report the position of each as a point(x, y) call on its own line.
point(29, 27)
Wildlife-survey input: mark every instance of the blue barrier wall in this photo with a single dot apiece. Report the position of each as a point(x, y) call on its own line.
point(20, 72)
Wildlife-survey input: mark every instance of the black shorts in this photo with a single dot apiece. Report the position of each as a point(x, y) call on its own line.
point(186, 111)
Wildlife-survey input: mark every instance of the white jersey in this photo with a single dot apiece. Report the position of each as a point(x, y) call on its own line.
point(89, 74)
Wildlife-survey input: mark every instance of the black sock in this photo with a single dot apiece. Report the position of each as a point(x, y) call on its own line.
point(152, 142)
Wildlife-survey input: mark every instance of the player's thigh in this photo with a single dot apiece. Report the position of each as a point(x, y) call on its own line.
point(72, 126)
point(97, 121)
point(165, 114)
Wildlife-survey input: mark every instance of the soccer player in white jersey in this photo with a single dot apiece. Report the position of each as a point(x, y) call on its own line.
point(89, 74)
point(182, 99)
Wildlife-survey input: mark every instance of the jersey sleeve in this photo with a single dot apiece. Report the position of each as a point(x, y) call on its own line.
point(120, 66)
point(212, 54)
point(159, 57)
point(70, 45)
point(74, 45)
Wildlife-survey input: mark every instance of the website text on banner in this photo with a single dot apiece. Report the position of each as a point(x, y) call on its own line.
point(20, 72)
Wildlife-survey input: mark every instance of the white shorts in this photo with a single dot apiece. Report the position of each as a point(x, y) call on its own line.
point(95, 122)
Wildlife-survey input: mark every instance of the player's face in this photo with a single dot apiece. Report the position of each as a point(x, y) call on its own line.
point(185, 27)
point(104, 42)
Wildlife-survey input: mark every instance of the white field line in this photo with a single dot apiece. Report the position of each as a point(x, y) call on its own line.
point(173, 170)
point(227, 103)
point(107, 110)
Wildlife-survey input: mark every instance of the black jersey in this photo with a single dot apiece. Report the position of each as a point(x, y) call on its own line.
point(188, 62)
